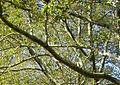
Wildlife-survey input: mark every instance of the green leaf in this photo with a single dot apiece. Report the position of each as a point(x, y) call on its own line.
point(5, 15)
point(118, 19)
point(45, 6)
point(66, 7)
point(44, 9)
point(56, 5)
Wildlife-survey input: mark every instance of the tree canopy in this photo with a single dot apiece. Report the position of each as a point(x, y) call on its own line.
point(59, 42)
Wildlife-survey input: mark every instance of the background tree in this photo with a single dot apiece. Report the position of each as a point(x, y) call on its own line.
point(59, 42)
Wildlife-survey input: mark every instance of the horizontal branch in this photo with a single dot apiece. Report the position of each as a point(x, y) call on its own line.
point(23, 69)
point(110, 55)
point(57, 56)
point(23, 61)
point(7, 36)
point(103, 24)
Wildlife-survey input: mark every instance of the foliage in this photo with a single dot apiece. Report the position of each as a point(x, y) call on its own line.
point(59, 42)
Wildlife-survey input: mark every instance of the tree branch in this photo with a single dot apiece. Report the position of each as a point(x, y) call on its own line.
point(23, 69)
point(58, 57)
point(16, 5)
point(43, 67)
point(72, 36)
point(108, 26)
point(23, 61)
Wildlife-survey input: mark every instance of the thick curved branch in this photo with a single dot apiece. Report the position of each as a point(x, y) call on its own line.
point(43, 67)
point(58, 57)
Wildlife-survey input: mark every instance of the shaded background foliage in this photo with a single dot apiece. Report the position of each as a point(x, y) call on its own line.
point(52, 23)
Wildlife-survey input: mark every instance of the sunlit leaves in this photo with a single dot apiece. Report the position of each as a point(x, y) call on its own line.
point(5, 15)
point(46, 20)
point(44, 8)
point(119, 20)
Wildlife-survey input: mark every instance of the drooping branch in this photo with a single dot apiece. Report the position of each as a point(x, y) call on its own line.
point(58, 57)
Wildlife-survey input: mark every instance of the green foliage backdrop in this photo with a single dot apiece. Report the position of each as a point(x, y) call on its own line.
point(59, 42)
